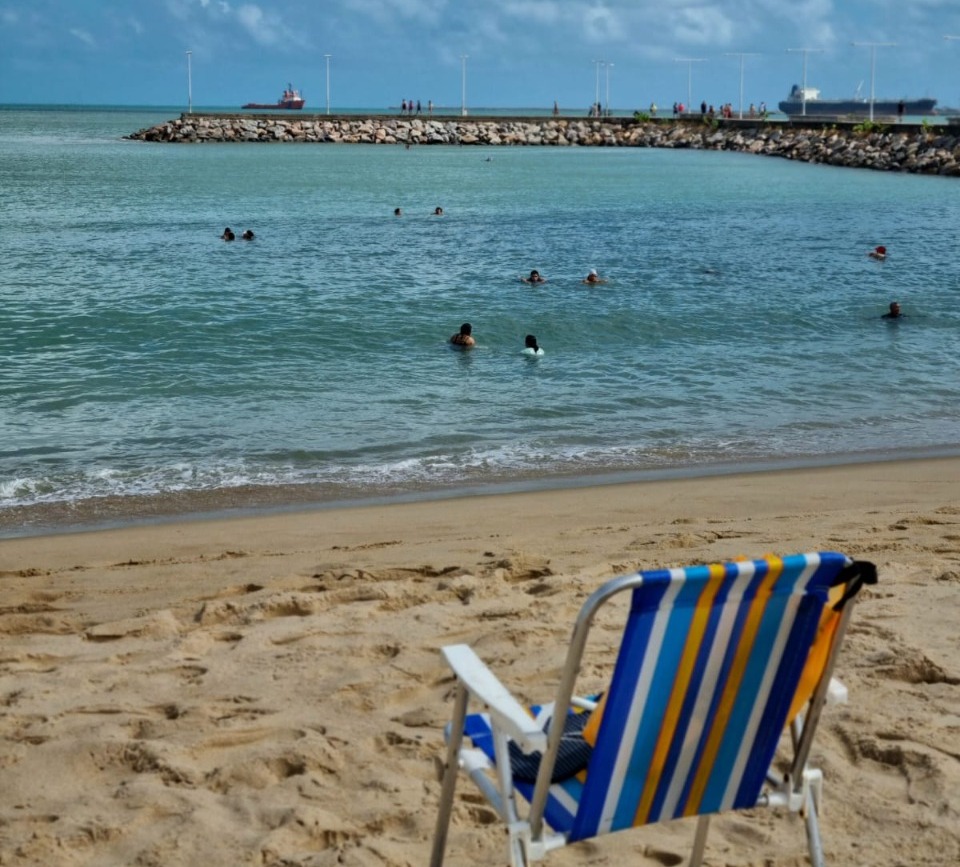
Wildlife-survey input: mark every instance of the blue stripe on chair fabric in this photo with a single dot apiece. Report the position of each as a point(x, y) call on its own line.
point(792, 663)
point(646, 629)
point(751, 692)
point(686, 750)
point(707, 669)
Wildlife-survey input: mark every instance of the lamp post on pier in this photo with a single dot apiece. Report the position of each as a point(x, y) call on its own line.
point(873, 46)
point(689, 61)
point(327, 58)
point(596, 97)
point(803, 91)
point(463, 85)
point(189, 82)
point(608, 66)
point(741, 55)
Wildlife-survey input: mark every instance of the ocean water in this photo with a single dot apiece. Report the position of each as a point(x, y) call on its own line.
point(150, 368)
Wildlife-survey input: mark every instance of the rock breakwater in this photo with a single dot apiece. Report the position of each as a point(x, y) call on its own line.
point(904, 149)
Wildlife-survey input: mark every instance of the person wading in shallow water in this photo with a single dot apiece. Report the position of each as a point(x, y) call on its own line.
point(530, 345)
point(464, 337)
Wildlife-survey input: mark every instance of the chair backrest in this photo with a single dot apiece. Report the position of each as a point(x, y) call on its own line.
point(708, 666)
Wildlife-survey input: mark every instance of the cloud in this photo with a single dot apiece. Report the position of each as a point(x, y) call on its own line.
point(218, 22)
point(267, 29)
point(253, 21)
point(652, 26)
point(83, 36)
point(602, 25)
point(387, 13)
point(184, 10)
point(428, 11)
point(541, 12)
point(179, 9)
point(704, 27)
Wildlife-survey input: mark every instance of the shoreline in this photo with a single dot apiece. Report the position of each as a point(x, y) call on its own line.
point(97, 514)
point(269, 689)
point(816, 491)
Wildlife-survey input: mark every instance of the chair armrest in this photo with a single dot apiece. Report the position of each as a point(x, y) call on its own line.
point(506, 712)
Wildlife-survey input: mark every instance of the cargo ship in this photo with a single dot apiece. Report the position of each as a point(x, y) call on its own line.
point(290, 100)
point(793, 105)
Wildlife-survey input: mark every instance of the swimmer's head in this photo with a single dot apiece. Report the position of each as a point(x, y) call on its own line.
point(466, 329)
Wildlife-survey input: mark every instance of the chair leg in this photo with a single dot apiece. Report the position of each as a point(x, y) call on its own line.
point(814, 842)
point(700, 841)
point(449, 776)
point(518, 855)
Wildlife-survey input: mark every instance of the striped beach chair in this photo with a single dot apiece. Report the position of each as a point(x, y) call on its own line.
point(714, 663)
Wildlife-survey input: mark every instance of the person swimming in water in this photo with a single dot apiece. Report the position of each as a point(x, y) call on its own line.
point(248, 235)
point(878, 253)
point(464, 337)
point(228, 234)
point(438, 211)
point(531, 347)
point(534, 277)
point(593, 277)
point(894, 312)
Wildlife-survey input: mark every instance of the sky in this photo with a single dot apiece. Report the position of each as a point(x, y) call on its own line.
point(487, 53)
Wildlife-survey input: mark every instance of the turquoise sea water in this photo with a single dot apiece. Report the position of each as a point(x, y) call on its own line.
point(148, 366)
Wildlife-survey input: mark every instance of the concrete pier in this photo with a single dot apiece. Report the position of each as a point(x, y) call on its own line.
point(884, 147)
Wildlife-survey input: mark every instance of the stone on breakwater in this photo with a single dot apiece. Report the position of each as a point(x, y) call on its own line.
point(895, 149)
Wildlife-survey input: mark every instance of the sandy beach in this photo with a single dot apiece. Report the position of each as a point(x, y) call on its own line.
point(269, 690)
